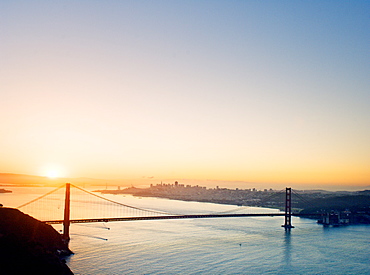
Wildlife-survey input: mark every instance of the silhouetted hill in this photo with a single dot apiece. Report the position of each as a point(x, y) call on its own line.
point(365, 192)
point(8, 178)
point(28, 246)
point(354, 203)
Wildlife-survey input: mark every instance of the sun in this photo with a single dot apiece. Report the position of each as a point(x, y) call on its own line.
point(52, 171)
point(52, 174)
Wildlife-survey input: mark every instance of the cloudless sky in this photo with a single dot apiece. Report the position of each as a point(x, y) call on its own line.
point(254, 91)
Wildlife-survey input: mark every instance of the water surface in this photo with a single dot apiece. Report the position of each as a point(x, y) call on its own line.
point(253, 245)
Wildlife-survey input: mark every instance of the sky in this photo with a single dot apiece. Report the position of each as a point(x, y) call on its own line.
point(273, 92)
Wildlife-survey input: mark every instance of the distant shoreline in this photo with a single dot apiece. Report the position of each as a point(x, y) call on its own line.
point(354, 205)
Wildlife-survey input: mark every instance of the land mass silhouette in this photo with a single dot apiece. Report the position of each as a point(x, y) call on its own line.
point(28, 246)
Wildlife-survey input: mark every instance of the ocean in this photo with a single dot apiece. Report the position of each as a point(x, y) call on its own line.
point(248, 245)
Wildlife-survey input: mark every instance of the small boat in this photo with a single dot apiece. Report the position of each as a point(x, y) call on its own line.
point(5, 191)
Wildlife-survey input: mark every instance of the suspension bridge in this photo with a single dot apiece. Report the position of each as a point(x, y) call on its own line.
point(59, 207)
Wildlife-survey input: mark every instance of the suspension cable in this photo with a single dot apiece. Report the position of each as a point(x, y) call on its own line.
point(27, 203)
point(122, 204)
point(302, 198)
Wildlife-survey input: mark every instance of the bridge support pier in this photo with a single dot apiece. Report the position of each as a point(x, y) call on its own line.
point(66, 220)
point(288, 209)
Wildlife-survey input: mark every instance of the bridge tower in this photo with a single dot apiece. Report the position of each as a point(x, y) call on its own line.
point(288, 209)
point(66, 220)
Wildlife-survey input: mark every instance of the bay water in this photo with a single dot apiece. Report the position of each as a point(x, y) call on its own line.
point(248, 245)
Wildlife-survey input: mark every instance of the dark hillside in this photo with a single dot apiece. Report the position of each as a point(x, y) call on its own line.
point(28, 246)
point(354, 203)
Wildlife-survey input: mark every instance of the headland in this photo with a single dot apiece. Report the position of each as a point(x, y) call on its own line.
point(28, 246)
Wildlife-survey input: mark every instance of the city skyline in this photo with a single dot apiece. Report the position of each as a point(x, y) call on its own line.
point(230, 91)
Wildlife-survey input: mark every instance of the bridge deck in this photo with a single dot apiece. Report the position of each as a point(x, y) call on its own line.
point(199, 216)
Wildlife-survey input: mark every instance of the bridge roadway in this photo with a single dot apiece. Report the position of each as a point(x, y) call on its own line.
point(199, 216)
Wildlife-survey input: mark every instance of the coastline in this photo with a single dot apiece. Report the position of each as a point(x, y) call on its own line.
point(344, 209)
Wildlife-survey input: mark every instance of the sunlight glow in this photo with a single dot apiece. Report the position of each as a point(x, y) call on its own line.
point(52, 174)
point(212, 92)
point(53, 171)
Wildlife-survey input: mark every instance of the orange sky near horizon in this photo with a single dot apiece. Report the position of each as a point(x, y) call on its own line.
point(252, 92)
